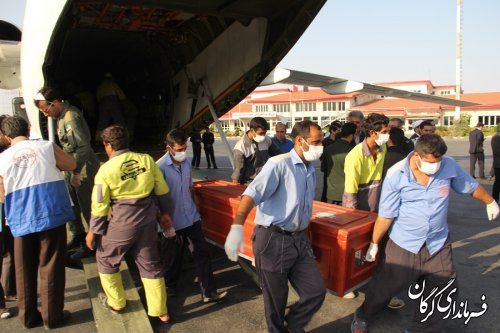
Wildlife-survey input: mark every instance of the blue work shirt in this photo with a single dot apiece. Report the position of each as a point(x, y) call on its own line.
point(183, 210)
point(420, 212)
point(284, 147)
point(283, 192)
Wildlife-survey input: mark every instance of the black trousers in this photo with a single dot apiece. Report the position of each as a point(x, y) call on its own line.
point(2, 294)
point(479, 157)
point(400, 269)
point(44, 251)
point(8, 268)
point(280, 258)
point(209, 152)
point(172, 250)
point(495, 192)
point(325, 187)
point(196, 156)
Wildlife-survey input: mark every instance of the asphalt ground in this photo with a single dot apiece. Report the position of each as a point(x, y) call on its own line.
point(476, 250)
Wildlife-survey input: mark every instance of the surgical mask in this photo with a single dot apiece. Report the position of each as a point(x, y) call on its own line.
point(179, 156)
point(314, 152)
point(258, 138)
point(427, 167)
point(382, 138)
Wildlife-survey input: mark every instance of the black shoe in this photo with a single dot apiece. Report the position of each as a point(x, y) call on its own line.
point(75, 241)
point(38, 321)
point(215, 167)
point(208, 167)
point(214, 297)
point(66, 315)
point(82, 252)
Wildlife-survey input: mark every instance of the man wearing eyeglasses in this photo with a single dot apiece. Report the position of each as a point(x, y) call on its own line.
point(74, 136)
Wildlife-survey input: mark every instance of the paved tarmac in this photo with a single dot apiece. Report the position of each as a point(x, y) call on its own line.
point(476, 255)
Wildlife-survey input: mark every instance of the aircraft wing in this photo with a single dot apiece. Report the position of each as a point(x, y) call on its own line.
point(10, 63)
point(335, 85)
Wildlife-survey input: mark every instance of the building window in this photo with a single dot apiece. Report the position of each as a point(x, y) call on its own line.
point(445, 92)
point(341, 106)
point(281, 107)
point(261, 108)
point(489, 121)
point(329, 106)
point(225, 124)
point(305, 107)
point(447, 121)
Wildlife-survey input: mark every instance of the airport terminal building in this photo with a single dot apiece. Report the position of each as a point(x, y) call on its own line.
point(292, 104)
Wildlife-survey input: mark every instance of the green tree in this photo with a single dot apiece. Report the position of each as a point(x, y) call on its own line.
point(461, 128)
point(237, 131)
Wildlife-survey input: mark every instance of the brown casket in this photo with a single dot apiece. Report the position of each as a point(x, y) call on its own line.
point(339, 241)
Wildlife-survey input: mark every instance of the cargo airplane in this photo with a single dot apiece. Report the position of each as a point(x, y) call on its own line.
point(183, 63)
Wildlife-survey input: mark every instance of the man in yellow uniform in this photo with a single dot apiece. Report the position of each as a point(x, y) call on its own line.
point(129, 185)
point(110, 98)
point(364, 164)
point(74, 136)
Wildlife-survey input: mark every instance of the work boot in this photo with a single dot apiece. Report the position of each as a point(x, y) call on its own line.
point(82, 252)
point(76, 241)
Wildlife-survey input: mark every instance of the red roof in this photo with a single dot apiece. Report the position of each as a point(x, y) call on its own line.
point(303, 96)
point(404, 83)
point(447, 86)
point(259, 90)
point(486, 101)
point(242, 107)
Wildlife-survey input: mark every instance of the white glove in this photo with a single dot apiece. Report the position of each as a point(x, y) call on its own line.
point(234, 241)
point(169, 233)
point(492, 210)
point(371, 253)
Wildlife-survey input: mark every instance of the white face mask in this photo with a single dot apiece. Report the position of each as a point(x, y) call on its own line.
point(179, 156)
point(382, 138)
point(258, 138)
point(314, 152)
point(427, 167)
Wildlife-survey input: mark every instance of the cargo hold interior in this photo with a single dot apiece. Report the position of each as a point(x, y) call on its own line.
point(159, 51)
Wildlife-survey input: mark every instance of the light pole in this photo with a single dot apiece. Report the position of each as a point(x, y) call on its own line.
point(458, 61)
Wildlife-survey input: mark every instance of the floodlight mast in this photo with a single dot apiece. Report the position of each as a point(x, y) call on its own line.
point(458, 61)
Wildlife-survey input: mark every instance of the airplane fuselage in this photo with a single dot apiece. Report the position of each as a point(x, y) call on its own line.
point(170, 57)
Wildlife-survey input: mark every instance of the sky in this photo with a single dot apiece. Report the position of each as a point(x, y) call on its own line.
point(389, 40)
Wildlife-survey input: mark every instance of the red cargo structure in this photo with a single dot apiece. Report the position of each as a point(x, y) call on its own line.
point(339, 236)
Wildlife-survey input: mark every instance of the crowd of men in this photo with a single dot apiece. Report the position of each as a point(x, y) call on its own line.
point(370, 165)
point(132, 204)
